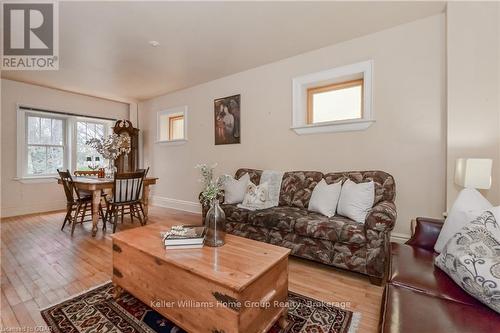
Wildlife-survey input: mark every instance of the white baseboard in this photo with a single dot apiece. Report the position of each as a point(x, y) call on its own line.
point(33, 208)
point(399, 238)
point(187, 206)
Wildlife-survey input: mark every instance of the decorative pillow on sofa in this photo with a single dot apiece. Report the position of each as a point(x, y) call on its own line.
point(468, 205)
point(256, 197)
point(472, 258)
point(356, 200)
point(235, 189)
point(324, 198)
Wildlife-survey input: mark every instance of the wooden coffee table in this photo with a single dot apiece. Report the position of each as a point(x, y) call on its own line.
point(239, 287)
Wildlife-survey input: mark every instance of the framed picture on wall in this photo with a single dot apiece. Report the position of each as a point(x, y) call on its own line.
point(227, 120)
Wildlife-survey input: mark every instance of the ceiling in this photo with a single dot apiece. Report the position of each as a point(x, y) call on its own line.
point(104, 48)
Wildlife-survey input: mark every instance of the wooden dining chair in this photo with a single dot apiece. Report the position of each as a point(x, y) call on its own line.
point(77, 202)
point(127, 193)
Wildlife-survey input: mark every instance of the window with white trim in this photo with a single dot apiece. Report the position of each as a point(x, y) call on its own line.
point(47, 141)
point(334, 100)
point(87, 157)
point(172, 125)
point(45, 144)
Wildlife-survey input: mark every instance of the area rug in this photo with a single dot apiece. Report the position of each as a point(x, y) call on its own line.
point(97, 311)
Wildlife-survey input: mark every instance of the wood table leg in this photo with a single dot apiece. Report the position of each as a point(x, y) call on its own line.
point(96, 200)
point(145, 202)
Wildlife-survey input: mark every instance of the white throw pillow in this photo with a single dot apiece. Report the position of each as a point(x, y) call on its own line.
point(256, 195)
point(235, 189)
point(356, 200)
point(324, 198)
point(469, 205)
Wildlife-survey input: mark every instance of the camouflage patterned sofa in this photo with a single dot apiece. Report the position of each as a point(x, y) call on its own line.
point(336, 241)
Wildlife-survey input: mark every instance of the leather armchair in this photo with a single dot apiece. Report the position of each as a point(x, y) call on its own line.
point(420, 297)
point(426, 233)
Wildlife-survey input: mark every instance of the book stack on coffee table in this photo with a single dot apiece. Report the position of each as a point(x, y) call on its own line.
point(184, 237)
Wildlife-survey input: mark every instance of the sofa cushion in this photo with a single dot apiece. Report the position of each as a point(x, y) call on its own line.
point(235, 214)
point(278, 218)
point(248, 231)
point(414, 268)
point(336, 228)
point(297, 187)
point(412, 311)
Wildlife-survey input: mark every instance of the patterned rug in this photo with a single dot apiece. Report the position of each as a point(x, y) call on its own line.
point(97, 311)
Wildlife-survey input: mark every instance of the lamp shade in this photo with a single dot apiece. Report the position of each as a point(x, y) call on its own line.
point(473, 172)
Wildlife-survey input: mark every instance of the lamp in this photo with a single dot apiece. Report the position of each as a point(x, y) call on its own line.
point(473, 172)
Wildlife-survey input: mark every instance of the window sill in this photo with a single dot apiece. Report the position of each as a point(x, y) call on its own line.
point(331, 127)
point(36, 180)
point(172, 142)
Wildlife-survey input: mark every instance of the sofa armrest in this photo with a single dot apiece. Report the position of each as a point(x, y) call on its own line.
point(426, 233)
point(382, 217)
point(378, 225)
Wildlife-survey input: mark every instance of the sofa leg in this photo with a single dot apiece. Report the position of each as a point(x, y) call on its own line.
point(378, 281)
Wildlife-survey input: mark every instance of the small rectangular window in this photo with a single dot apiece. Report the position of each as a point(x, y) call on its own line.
point(335, 102)
point(176, 127)
point(172, 125)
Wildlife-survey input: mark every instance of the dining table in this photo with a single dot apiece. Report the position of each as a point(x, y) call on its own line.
point(97, 185)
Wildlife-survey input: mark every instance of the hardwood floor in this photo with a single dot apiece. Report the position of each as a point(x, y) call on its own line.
point(41, 265)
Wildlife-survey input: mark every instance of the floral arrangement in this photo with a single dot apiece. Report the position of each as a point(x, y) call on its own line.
point(112, 146)
point(211, 188)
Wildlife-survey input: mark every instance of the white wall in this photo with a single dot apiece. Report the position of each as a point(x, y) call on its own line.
point(473, 82)
point(407, 140)
point(24, 198)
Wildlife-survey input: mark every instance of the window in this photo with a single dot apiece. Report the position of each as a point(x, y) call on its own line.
point(86, 130)
point(45, 148)
point(48, 141)
point(176, 127)
point(172, 125)
point(335, 100)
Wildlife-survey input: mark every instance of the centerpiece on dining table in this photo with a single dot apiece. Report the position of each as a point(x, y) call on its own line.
point(111, 148)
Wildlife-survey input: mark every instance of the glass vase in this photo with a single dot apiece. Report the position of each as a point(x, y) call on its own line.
point(110, 170)
point(215, 222)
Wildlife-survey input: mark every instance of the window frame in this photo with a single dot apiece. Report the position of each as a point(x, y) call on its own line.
point(300, 104)
point(180, 111)
point(74, 122)
point(329, 88)
point(171, 121)
point(26, 143)
point(69, 139)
